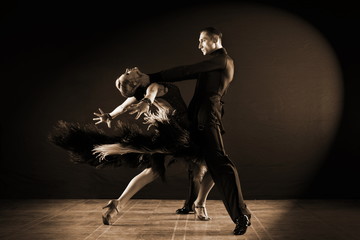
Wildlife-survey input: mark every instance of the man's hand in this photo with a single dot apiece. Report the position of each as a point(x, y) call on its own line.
point(140, 108)
point(103, 117)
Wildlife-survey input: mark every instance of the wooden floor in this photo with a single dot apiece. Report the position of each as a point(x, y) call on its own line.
point(73, 219)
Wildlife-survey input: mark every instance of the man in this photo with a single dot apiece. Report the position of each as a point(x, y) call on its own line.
point(213, 76)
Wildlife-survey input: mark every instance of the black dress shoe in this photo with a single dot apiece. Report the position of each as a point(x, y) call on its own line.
point(242, 224)
point(184, 210)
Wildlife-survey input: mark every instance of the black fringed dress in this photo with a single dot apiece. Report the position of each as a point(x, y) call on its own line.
point(162, 133)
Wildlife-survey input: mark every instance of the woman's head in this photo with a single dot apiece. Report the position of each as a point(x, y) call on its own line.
point(128, 82)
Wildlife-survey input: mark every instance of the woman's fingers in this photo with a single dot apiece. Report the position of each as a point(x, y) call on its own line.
point(138, 115)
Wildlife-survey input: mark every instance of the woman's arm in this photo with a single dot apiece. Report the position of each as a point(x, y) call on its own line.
point(153, 90)
point(123, 107)
point(143, 106)
point(107, 117)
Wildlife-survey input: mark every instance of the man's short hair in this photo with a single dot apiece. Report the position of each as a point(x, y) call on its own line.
point(212, 31)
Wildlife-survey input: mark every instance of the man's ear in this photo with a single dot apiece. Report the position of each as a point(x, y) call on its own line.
point(215, 39)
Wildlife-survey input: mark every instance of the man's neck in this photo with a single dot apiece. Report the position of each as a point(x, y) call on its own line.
point(215, 49)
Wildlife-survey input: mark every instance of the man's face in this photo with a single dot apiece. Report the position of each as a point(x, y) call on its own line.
point(206, 44)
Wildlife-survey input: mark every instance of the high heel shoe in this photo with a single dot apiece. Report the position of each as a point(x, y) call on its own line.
point(200, 213)
point(106, 217)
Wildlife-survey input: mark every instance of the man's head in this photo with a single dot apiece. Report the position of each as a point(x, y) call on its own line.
point(210, 40)
point(128, 82)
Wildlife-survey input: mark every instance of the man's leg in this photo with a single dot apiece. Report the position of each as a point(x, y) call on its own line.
point(223, 172)
point(194, 186)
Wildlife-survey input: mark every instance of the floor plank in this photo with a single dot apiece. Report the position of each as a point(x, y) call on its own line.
point(154, 219)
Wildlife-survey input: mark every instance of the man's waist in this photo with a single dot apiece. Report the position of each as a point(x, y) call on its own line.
point(208, 98)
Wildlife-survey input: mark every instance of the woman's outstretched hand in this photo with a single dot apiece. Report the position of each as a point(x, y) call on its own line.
point(103, 117)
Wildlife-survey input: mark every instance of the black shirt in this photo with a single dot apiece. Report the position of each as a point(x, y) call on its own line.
point(213, 76)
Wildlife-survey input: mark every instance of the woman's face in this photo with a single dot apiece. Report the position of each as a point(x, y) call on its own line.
point(128, 82)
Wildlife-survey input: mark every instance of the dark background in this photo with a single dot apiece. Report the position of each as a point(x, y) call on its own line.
point(292, 115)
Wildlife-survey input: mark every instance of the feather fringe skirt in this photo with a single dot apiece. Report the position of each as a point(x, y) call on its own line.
point(129, 145)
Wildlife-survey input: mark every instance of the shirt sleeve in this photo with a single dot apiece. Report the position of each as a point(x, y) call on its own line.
point(188, 72)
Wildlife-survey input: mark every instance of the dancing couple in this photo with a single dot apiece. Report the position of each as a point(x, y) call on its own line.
point(173, 133)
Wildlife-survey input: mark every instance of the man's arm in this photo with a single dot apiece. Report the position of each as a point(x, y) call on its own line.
point(187, 72)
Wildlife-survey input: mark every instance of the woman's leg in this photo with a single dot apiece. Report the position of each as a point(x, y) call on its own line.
point(206, 185)
point(137, 183)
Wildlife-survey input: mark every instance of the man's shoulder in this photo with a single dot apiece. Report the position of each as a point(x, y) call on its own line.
point(222, 58)
point(221, 53)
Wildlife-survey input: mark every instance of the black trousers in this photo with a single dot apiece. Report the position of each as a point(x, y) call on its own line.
point(222, 170)
point(193, 189)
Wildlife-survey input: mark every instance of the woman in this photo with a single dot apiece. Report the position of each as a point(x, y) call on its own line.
point(164, 139)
